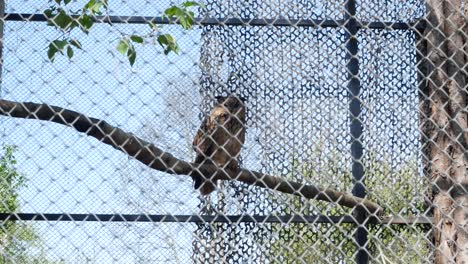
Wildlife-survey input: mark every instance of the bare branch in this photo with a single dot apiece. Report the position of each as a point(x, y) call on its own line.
point(152, 156)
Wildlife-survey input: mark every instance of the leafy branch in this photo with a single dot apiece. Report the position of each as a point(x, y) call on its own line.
point(66, 20)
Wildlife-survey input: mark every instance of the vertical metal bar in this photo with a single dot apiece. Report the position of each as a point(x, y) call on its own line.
point(356, 130)
point(2, 21)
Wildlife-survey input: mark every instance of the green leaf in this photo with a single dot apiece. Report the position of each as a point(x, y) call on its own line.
point(122, 46)
point(66, 1)
point(162, 40)
point(187, 22)
point(168, 43)
point(86, 22)
point(136, 39)
point(183, 16)
point(172, 11)
point(59, 44)
point(192, 3)
point(175, 48)
point(131, 54)
point(58, 1)
point(56, 46)
point(48, 12)
point(74, 24)
point(89, 4)
point(69, 52)
point(76, 43)
point(170, 39)
point(96, 8)
point(62, 20)
point(184, 23)
point(51, 52)
point(153, 26)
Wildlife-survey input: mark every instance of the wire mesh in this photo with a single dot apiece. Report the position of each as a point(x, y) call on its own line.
point(354, 97)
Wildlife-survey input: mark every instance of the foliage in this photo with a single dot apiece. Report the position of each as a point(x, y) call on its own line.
point(11, 180)
point(65, 19)
point(399, 189)
point(17, 240)
point(401, 192)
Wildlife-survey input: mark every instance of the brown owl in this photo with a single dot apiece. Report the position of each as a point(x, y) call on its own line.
point(220, 138)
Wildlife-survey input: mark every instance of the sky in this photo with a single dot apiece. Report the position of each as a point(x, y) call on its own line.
point(72, 173)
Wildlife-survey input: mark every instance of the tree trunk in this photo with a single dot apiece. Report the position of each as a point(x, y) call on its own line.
point(444, 126)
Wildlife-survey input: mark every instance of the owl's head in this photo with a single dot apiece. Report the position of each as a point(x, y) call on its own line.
point(231, 102)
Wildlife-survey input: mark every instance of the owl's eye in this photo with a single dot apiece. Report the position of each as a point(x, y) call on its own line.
point(222, 118)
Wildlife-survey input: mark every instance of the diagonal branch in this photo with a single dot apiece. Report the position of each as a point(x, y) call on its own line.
point(155, 158)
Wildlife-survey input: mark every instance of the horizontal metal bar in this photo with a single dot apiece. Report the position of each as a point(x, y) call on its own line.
point(311, 219)
point(229, 21)
point(175, 218)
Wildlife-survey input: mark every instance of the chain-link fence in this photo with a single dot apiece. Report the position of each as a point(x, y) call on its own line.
point(282, 132)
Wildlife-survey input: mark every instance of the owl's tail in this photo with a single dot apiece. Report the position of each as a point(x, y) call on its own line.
point(204, 186)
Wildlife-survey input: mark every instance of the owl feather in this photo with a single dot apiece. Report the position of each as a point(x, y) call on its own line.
point(220, 139)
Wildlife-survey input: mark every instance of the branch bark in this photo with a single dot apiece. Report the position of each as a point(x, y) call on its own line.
point(444, 127)
point(157, 159)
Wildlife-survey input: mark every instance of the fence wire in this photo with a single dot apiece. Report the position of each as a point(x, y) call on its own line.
point(366, 100)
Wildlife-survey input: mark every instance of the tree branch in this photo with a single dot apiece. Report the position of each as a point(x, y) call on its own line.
point(157, 159)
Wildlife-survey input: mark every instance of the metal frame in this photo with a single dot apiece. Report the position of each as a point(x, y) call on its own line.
point(355, 128)
point(207, 21)
point(361, 218)
point(310, 219)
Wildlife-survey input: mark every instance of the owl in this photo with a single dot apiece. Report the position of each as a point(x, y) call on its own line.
point(220, 138)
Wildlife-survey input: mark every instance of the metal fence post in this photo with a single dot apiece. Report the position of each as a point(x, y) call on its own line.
point(2, 21)
point(354, 88)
